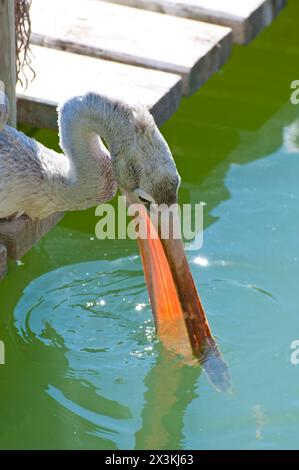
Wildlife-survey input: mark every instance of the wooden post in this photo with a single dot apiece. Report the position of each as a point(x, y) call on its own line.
point(19, 236)
point(8, 55)
point(3, 261)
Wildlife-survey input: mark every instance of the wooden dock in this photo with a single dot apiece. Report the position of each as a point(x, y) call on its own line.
point(149, 51)
point(160, 91)
point(191, 49)
point(246, 18)
point(157, 56)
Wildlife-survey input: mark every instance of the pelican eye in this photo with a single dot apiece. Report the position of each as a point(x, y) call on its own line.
point(143, 200)
point(143, 197)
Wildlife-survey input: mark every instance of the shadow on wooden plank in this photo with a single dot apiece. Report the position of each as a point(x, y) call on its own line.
point(18, 236)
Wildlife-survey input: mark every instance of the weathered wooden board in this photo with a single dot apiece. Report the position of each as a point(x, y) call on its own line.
point(3, 261)
point(20, 235)
point(190, 48)
point(60, 75)
point(8, 55)
point(246, 17)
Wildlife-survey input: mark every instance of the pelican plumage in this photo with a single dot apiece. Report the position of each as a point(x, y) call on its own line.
point(37, 181)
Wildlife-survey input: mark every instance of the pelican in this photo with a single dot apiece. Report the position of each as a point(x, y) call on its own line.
point(108, 144)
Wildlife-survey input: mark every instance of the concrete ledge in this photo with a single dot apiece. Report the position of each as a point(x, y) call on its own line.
point(18, 236)
point(3, 261)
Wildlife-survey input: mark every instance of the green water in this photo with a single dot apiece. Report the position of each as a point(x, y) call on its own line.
point(83, 366)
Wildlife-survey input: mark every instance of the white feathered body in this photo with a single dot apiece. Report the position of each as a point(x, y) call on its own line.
point(26, 171)
point(37, 181)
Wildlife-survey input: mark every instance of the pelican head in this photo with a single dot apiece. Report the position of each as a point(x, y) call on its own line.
point(143, 164)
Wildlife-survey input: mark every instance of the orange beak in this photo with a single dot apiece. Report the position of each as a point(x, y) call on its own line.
point(180, 319)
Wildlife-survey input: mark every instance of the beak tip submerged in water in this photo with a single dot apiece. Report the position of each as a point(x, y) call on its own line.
point(217, 371)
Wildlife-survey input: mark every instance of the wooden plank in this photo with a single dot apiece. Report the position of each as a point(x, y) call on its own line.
point(8, 55)
point(3, 261)
point(3, 106)
point(60, 75)
point(18, 236)
point(246, 17)
point(192, 49)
